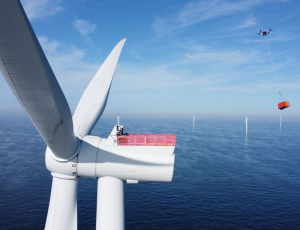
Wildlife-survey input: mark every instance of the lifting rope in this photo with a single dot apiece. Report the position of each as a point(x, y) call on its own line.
point(273, 68)
point(282, 103)
point(280, 95)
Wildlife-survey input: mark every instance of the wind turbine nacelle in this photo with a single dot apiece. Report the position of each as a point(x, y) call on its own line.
point(97, 158)
point(100, 157)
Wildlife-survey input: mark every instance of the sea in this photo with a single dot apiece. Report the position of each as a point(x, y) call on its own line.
point(223, 179)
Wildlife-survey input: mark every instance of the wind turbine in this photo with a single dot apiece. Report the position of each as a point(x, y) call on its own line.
point(71, 152)
point(280, 120)
point(246, 119)
point(194, 121)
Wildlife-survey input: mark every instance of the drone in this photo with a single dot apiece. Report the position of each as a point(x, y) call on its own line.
point(265, 32)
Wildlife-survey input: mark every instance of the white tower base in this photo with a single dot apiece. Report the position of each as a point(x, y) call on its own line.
point(110, 204)
point(62, 212)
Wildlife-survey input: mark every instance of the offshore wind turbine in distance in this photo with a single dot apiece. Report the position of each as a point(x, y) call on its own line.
point(71, 152)
point(280, 120)
point(246, 120)
point(194, 118)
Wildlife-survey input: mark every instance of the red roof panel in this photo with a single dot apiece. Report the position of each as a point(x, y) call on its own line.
point(147, 140)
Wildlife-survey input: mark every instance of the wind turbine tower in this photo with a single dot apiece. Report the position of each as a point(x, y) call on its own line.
point(194, 121)
point(280, 120)
point(118, 119)
point(71, 151)
point(246, 119)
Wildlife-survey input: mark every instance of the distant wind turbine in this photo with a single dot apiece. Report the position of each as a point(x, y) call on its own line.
point(280, 120)
point(194, 121)
point(246, 119)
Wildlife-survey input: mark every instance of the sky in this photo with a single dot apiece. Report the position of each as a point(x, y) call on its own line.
point(181, 58)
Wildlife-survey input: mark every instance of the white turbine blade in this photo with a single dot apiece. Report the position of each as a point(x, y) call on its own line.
point(62, 212)
point(25, 67)
point(110, 204)
point(93, 101)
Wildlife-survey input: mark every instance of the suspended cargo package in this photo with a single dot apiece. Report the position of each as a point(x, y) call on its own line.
point(283, 105)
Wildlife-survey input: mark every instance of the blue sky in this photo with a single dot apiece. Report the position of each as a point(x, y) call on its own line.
point(181, 57)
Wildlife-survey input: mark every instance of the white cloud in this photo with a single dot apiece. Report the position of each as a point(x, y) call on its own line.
point(195, 12)
point(161, 27)
point(226, 58)
point(204, 68)
point(48, 46)
point(72, 72)
point(199, 11)
point(165, 88)
point(84, 27)
point(41, 8)
point(247, 23)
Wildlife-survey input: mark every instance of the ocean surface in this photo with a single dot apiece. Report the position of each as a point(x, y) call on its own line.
point(222, 179)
